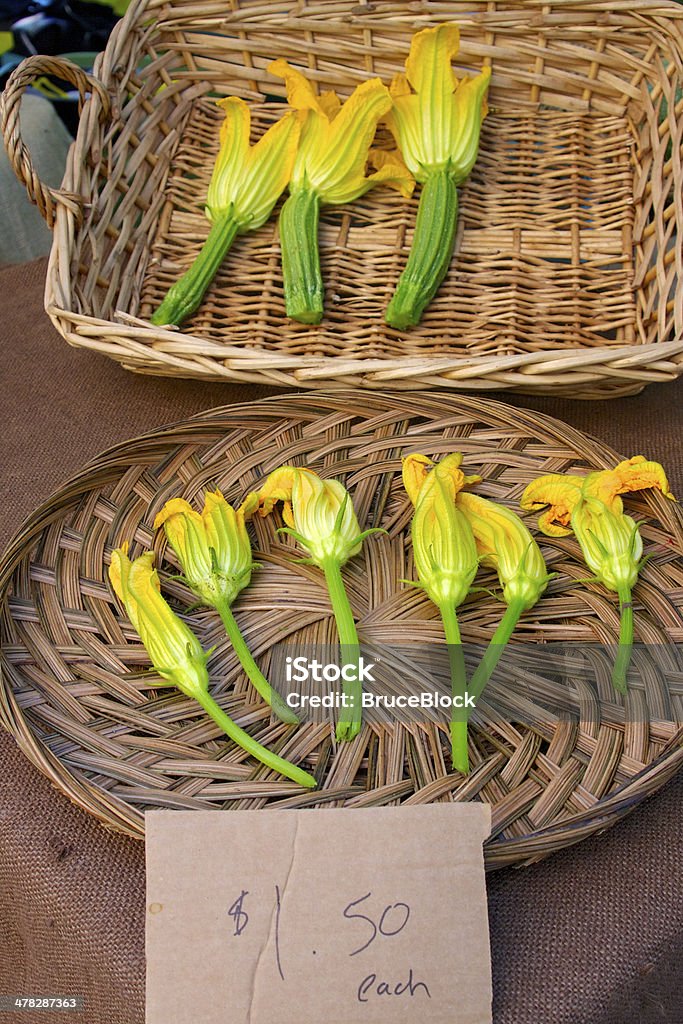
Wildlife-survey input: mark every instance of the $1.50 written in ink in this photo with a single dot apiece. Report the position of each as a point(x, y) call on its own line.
point(378, 923)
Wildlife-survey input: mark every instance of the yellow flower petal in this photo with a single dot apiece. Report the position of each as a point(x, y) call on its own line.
point(213, 548)
point(438, 127)
point(469, 110)
point(638, 472)
point(400, 86)
point(428, 67)
point(234, 146)
point(267, 172)
point(429, 71)
point(174, 650)
point(312, 507)
point(174, 507)
point(336, 138)
point(277, 487)
point(301, 94)
point(415, 471)
point(338, 173)
point(329, 104)
point(444, 548)
point(228, 540)
point(250, 505)
point(250, 179)
point(550, 523)
point(610, 543)
point(635, 474)
point(118, 572)
point(562, 493)
point(213, 500)
point(481, 515)
point(604, 486)
point(404, 123)
point(390, 170)
point(504, 542)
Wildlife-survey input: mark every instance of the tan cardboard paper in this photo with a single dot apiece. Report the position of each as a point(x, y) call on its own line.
point(339, 916)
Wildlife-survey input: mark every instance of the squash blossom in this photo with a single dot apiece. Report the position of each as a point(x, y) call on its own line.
point(246, 183)
point(505, 543)
point(214, 552)
point(319, 515)
point(436, 128)
point(177, 655)
point(591, 507)
point(329, 169)
point(445, 556)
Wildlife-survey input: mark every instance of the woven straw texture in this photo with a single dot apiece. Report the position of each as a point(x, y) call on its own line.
point(83, 706)
point(566, 267)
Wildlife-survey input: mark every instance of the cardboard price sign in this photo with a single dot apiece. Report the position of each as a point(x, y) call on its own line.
point(337, 915)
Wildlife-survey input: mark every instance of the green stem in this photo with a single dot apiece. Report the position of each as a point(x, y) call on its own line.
point(260, 683)
point(350, 719)
point(456, 659)
point(301, 275)
point(252, 746)
point(185, 296)
point(494, 651)
point(623, 658)
point(430, 253)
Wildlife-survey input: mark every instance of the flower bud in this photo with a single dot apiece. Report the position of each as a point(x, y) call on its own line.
point(438, 124)
point(504, 542)
point(318, 513)
point(174, 650)
point(213, 548)
point(444, 549)
point(610, 542)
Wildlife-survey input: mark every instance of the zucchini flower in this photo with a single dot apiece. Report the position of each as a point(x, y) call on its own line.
point(444, 548)
point(610, 543)
point(445, 556)
point(319, 515)
point(174, 650)
point(177, 655)
point(437, 131)
point(609, 539)
point(330, 169)
point(504, 542)
point(246, 183)
point(214, 552)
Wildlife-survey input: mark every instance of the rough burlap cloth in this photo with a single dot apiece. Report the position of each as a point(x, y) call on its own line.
point(591, 935)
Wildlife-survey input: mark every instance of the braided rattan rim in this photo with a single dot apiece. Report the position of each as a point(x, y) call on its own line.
point(570, 300)
point(18, 153)
point(73, 689)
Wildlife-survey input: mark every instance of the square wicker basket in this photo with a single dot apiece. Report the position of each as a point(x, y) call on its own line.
point(568, 257)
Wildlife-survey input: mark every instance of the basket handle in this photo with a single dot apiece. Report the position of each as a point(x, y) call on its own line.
point(44, 197)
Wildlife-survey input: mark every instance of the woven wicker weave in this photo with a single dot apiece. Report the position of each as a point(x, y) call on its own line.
point(568, 254)
point(83, 707)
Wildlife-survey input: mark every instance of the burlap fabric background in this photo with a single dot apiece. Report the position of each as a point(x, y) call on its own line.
point(591, 935)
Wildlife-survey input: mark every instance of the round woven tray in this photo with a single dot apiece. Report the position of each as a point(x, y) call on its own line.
point(79, 698)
